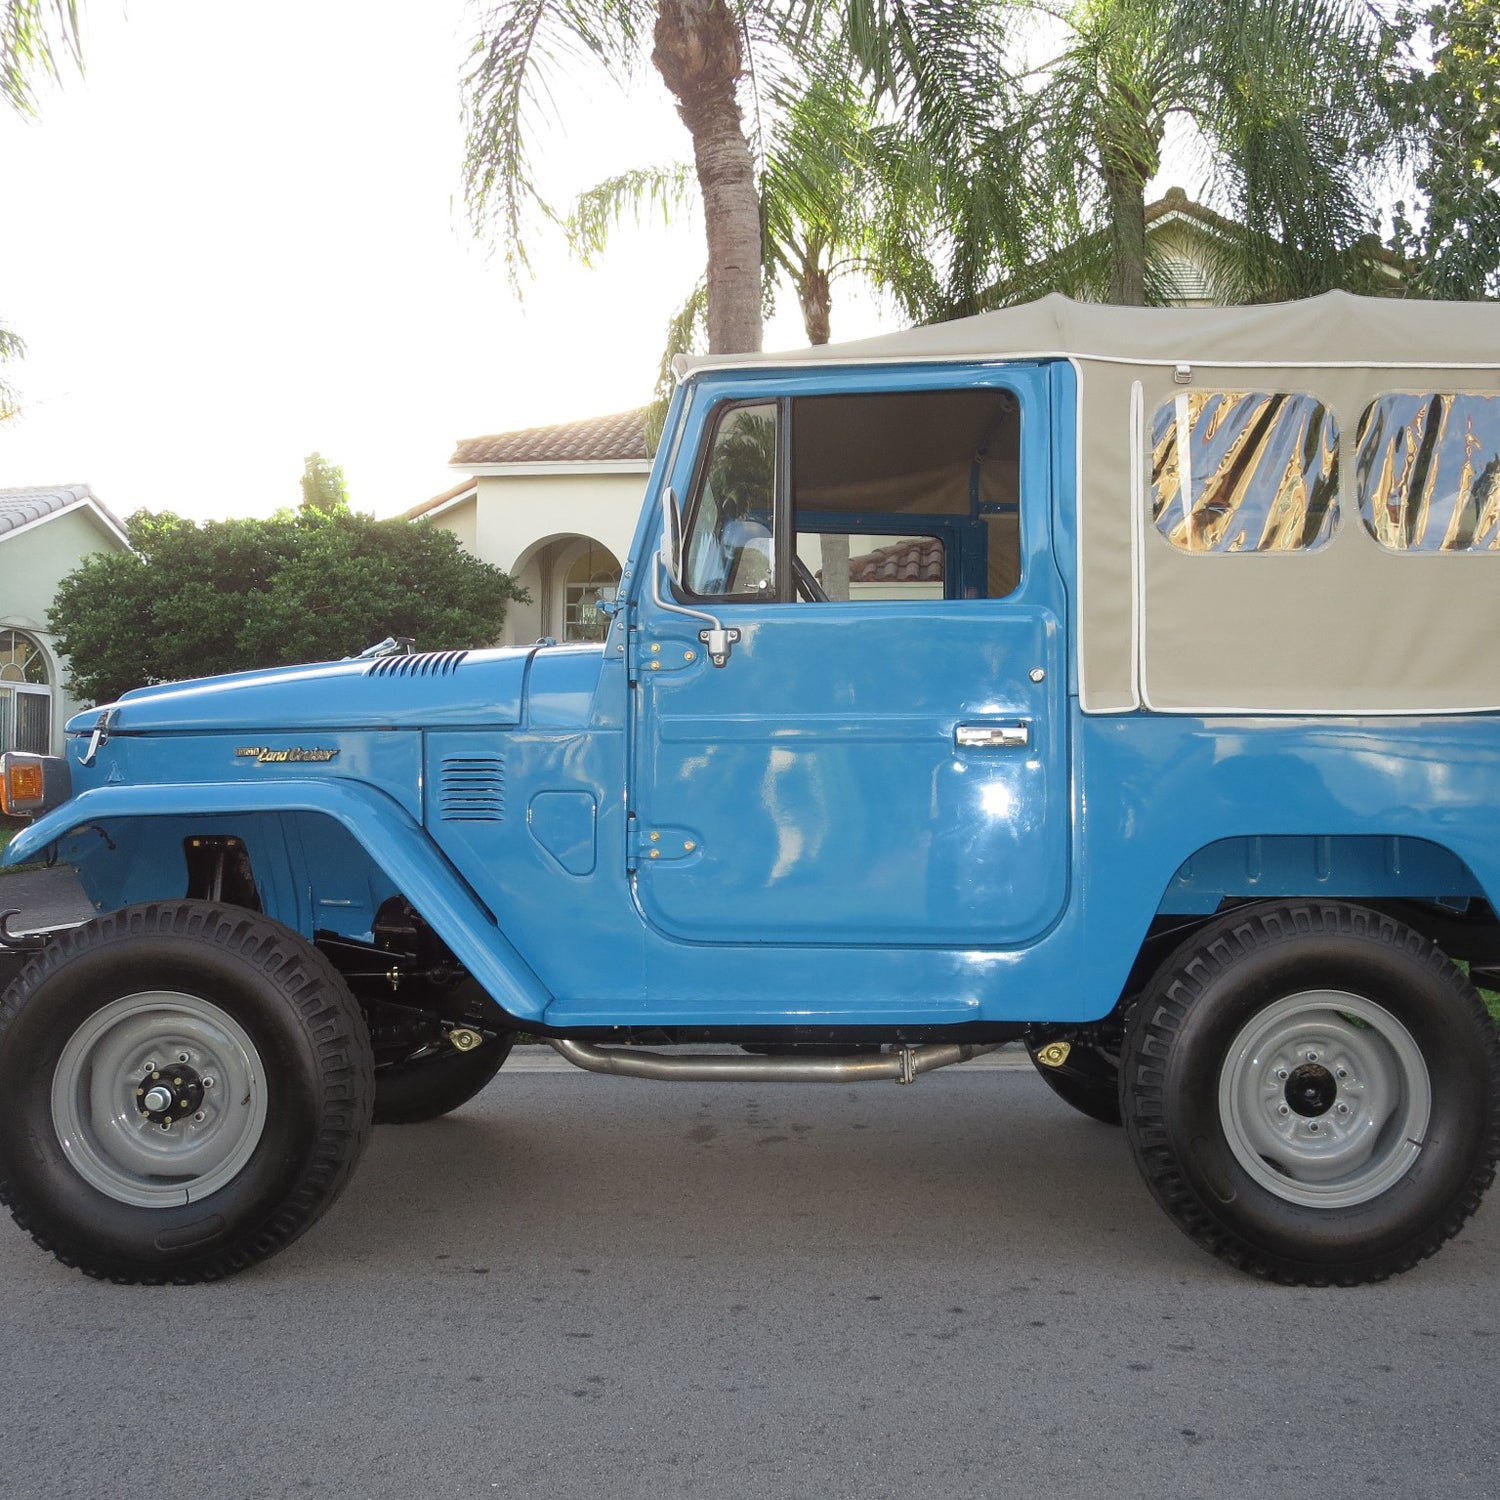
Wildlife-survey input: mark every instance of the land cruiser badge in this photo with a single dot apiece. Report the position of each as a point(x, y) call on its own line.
point(264, 755)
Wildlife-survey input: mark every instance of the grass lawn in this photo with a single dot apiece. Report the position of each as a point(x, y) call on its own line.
point(7, 833)
point(1492, 999)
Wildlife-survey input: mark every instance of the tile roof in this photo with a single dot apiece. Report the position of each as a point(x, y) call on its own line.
point(20, 508)
point(594, 440)
point(915, 559)
point(462, 488)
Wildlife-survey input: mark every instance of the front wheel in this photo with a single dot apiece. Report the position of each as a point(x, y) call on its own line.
point(187, 1088)
point(1312, 1092)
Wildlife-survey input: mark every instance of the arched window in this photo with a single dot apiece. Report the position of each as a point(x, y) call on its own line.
point(25, 694)
point(593, 579)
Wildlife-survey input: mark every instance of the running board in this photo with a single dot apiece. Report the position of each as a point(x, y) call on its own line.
point(903, 1064)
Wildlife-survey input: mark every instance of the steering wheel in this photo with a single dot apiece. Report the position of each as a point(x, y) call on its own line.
point(807, 586)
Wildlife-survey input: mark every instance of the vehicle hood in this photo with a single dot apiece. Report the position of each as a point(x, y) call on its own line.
point(426, 690)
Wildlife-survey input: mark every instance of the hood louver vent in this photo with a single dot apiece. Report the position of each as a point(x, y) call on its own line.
point(471, 789)
point(423, 664)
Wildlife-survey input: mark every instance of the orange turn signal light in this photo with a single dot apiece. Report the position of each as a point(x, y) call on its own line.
point(24, 783)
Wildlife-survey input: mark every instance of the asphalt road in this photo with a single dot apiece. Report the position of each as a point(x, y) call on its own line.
point(581, 1286)
point(43, 898)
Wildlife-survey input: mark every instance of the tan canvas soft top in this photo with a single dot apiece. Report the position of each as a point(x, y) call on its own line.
point(1349, 628)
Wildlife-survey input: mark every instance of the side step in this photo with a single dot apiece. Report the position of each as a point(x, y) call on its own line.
point(904, 1064)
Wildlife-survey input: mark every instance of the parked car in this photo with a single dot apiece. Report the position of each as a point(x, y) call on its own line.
point(1118, 682)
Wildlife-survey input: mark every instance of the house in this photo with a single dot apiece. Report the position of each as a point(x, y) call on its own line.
point(44, 535)
point(1184, 239)
point(556, 507)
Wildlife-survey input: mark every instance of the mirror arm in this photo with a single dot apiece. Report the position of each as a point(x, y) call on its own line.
point(716, 639)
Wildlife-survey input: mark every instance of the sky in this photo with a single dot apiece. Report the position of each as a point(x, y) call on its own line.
point(240, 239)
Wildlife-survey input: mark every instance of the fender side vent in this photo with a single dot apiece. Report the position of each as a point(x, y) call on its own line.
point(471, 789)
point(423, 664)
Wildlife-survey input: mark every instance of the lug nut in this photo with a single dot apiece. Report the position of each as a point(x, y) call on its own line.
point(182, 1057)
point(208, 1083)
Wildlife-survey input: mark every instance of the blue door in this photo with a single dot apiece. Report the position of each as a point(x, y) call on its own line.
point(882, 759)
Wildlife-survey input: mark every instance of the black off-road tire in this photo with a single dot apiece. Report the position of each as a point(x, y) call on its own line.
point(1369, 1005)
point(278, 1134)
point(1089, 1080)
point(424, 1088)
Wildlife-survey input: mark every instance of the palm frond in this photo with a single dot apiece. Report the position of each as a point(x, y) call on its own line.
point(521, 46)
point(12, 347)
point(634, 196)
point(687, 333)
point(33, 35)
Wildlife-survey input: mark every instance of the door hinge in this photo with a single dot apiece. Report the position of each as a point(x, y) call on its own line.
point(651, 843)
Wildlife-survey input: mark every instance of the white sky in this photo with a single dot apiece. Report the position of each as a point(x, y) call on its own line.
point(239, 238)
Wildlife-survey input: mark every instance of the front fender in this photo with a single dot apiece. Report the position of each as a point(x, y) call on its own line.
point(380, 825)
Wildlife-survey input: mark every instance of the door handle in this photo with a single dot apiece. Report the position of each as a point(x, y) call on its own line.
point(1014, 735)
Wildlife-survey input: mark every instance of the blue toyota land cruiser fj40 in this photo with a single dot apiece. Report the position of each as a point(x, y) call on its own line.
point(1118, 682)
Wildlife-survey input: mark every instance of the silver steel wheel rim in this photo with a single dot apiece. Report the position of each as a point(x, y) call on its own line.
point(100, 1092)
point(1325, 1099)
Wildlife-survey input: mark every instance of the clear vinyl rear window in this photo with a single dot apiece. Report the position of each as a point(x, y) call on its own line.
point(1244, 471)
point(1428, 471)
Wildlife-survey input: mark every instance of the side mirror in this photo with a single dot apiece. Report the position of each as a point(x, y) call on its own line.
point(669, 549)
point(716, 638)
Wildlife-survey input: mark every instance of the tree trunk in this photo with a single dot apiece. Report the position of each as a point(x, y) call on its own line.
point(698, 56)
point(817, 303)
point(1127, 238)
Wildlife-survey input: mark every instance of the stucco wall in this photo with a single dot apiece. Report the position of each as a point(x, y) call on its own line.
point(534, 525)
point(516, 512)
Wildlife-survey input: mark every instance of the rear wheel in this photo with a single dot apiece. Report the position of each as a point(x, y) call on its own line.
point(187, 1086)
point(1312, 1093)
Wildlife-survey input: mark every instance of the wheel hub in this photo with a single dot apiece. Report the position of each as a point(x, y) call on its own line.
point(167, 1095)
point(1311, 1090)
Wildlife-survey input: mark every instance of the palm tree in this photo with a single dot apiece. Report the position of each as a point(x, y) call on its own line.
point(1282, 98)
point(847, 191)
point(918, 54)
point(841, 192)
point(697, 49)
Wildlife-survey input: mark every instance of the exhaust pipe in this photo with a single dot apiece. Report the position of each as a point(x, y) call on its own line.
point(903, 1065)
